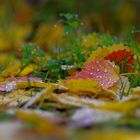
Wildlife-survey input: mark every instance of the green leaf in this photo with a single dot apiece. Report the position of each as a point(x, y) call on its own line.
point(74, 24)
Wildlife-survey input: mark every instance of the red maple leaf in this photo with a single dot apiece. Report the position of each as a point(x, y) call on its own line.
point(123, 58)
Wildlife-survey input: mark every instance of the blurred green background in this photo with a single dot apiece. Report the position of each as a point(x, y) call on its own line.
point(34, 20)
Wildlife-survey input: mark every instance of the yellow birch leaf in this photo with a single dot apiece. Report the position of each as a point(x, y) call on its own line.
point(27, 70)
point(31, 84)
point(11, 70)
point(87, 85)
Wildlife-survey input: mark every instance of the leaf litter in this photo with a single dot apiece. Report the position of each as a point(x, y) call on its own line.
point(45, 96)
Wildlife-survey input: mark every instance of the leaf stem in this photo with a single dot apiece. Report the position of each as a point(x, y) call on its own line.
point(123, 74)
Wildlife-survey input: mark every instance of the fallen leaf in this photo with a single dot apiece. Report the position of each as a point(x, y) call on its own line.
point(99, 70)
point(103, 52)
point(42, 125)
point(87, 85)
point(85, 117)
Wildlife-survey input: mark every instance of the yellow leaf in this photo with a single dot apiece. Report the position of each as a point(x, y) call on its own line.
point(11, 70)
point(90, 40)
point(4, 58)
point(41, 95)
point(105, 51)
point(121, 106)
point(88, 85)
point(136, 91)
point(109, 134)
point(27, 70)
point(42, 125)
point(108, 95)
point(48, 34)
point(31, 84)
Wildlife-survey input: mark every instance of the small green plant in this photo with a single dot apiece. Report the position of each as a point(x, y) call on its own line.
point(107, 40)
point(69, 21)
point(130, 41)
point(73, 47)
point(32, 54)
